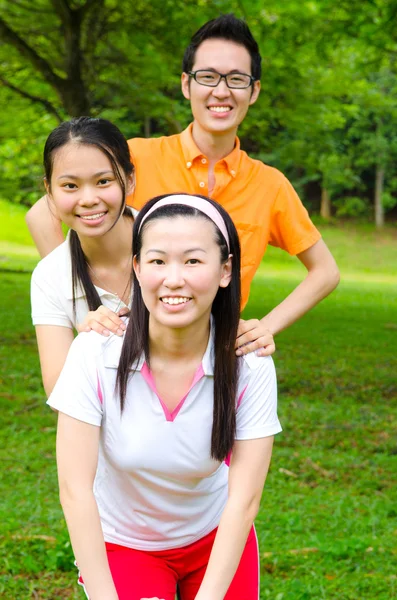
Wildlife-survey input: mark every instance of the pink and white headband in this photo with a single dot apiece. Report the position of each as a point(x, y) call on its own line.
point(195, 202)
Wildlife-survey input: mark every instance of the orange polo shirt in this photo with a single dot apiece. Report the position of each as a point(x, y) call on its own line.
point(262, 203)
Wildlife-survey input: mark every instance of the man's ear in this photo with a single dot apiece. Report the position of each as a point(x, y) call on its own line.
point(226, 274)
point(185, 85)
point(256, 88)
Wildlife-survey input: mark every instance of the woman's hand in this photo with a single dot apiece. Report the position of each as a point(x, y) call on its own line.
point(104, 321)
point(253, 335)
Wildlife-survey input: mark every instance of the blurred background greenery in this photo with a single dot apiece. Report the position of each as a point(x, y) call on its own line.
point(327, 115)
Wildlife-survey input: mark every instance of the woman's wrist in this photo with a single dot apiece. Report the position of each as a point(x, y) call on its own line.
point(105, 595)
point(209, 591)
point(207, 596)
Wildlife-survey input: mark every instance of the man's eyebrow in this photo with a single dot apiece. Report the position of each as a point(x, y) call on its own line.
point(232, 72)
point(95, 175)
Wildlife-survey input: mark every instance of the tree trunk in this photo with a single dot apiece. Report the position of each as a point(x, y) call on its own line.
point(379, 182)
point(147, 127)
point(325, 209)
point(71, 87)
point(74, 92)
point(74, 98)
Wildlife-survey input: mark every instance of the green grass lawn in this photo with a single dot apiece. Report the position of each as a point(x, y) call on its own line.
point(327, 527)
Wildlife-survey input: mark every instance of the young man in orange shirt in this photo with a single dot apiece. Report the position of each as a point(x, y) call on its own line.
point(221, 79)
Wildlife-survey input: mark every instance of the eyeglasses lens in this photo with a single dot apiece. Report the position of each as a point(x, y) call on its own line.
point(233, 80)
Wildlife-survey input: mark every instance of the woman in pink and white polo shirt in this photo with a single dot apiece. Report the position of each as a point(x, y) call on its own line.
point(147, 422)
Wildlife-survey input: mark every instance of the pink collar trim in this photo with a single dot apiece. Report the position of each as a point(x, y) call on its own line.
point(170, 416)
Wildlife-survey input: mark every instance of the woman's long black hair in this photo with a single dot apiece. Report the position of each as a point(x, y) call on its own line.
point(105, 136)
point(225, 312)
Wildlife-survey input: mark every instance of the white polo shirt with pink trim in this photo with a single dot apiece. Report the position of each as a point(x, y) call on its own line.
point(157, 486)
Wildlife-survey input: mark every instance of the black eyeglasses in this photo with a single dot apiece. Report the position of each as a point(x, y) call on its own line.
point(234, 81)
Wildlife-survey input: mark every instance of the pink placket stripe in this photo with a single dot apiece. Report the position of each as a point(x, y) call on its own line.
point(170, 416)
point(99, 389)
point(241, 396)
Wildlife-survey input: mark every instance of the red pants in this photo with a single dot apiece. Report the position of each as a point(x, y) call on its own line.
point(139, 574)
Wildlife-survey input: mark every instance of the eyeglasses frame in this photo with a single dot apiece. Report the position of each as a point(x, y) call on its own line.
point(222, 76)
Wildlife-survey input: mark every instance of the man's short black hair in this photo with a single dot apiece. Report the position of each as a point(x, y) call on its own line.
point(225, 27)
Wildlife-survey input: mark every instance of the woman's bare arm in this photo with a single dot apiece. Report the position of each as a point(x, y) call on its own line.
point(77, 458)
point(53, 343)
point(45, 228)
point(247, 473)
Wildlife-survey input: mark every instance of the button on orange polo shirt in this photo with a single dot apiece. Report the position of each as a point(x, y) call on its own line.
point(262, 203)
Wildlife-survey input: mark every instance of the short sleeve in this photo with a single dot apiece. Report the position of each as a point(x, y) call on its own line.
point(291, 228)
point(77, 392)
point(257, 405)
point(46, 304)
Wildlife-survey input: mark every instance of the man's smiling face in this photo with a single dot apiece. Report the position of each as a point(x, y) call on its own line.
point(219, 109)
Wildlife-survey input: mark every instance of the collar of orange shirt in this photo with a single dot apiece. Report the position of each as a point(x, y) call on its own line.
point(191, 152)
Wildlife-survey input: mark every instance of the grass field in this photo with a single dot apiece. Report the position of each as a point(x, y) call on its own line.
point(327, 527)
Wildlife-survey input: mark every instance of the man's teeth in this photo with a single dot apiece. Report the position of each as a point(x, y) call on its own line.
point(220, 108)
point(175, 300)
point(92, 217)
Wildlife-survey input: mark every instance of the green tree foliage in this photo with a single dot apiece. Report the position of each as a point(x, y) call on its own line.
point(61, 58)
point(374, 133)
point(326, 115)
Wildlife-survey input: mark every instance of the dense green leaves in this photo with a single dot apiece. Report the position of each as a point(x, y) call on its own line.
point(326, 115)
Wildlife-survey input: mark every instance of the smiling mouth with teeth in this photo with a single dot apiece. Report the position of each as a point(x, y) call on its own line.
point(219, 109)
point(92, 217)
point(173, 300)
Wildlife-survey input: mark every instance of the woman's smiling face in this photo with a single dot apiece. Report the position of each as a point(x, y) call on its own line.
point(180, 269)
point(84, 189)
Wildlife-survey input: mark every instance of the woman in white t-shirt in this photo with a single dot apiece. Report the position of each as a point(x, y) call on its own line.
point(147, 422)
point(88, 174)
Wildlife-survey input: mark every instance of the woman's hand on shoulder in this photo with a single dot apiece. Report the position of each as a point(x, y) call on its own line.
point(104, 321)
point(252, 335)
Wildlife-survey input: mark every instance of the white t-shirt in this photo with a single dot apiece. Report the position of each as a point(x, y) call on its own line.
point(157, 486)
point(51, 291)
